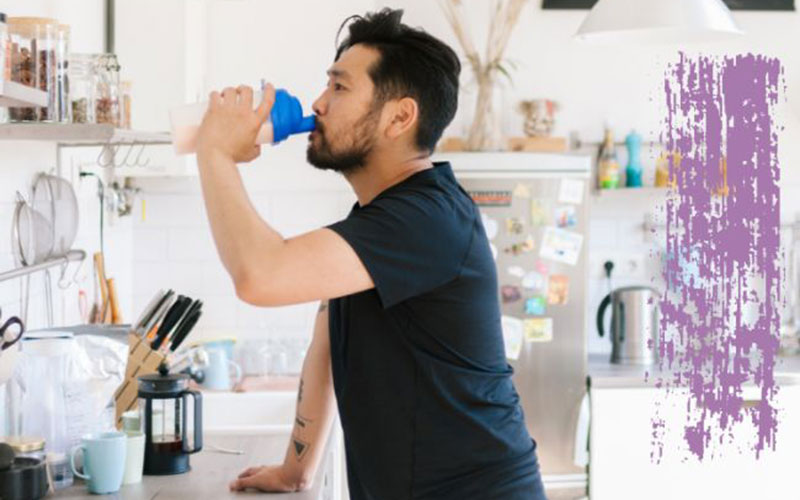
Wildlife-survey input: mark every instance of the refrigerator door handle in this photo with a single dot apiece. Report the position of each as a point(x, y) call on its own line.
point(601, 313)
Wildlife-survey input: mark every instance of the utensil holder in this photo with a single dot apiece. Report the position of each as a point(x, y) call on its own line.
point(142, 360)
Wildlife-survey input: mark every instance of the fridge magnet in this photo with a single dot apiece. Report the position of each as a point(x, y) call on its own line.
point(515, 225)
point(561, 245)
point(513, 335)
point(565, 216)
point(521, 247)
point(538, 213)
point(571, 191)
point(535, 306)
point(558, 290)
point(535, 281)
point(491, 198)
point(516, 271)
point(538, 329)
point(522, 191)
point(510, 293)
point(489, 225)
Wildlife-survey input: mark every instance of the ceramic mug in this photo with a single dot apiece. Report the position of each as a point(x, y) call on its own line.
point(103, 461)
point(134, 457)
point(217, 375)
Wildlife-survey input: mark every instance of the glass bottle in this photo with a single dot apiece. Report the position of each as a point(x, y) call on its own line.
point(63, 109)
point(607, 163)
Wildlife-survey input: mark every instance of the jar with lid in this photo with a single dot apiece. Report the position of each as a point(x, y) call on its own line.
point(33, 63)
point(106, 91)
point(81, 82)
point(63, 111)
point(29, 447)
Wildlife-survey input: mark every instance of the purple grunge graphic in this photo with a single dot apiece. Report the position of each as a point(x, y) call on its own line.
point(720, 319)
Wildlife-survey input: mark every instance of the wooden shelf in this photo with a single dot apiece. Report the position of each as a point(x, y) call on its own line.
point(13, 94)
point(76, 134)
point(642, 192)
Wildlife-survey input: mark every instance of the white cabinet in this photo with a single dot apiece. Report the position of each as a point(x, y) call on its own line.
point(622, 440)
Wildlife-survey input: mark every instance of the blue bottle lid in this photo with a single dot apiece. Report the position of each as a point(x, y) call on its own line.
point(287, 117)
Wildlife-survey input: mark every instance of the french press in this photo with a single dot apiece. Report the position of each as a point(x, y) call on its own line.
point(163, 408)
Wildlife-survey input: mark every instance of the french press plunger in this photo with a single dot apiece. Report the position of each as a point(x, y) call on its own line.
point(163, 407)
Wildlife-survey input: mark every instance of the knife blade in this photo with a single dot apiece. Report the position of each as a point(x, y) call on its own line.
point(185, 329)
point(170, 320)
point(159, 313)
point(149, 309)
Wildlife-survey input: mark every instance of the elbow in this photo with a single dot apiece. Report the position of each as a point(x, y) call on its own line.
point(253, 291)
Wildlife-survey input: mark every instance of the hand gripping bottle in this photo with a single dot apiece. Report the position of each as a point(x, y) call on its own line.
point(285, 119)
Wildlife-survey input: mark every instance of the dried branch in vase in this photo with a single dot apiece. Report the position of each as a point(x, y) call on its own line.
point(484, 134)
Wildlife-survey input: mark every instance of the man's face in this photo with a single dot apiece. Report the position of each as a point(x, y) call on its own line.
point(347, 119)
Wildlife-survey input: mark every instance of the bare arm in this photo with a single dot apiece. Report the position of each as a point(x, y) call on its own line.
point(267, 269)
point(316, 409)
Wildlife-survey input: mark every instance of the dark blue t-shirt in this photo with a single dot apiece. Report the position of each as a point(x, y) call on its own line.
point(422, 384)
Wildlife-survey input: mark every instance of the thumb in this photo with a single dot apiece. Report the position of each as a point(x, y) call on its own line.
point(244, 483)
point(267, 101)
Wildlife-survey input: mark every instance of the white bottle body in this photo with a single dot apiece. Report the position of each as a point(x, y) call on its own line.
point(185, 123)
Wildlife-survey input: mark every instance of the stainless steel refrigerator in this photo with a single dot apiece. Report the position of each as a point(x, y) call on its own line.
point(528, 196)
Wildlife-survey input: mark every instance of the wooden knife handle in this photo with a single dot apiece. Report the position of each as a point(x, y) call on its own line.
point(113, 300)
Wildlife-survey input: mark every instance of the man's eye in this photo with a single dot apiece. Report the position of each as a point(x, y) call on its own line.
point(337, 86)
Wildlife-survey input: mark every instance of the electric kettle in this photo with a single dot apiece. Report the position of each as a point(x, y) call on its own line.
point(634, 324)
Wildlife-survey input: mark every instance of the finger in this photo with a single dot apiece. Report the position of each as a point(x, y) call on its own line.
point(267, 102)
point(214, 100)
point(245, 96)
point(229, 96)
point(249, 472)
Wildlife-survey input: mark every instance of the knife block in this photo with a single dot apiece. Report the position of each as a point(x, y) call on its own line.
point(142, 360)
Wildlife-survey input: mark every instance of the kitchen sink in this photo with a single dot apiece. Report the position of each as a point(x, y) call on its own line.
point(267, 412)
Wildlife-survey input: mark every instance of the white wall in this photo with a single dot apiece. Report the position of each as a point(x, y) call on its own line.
point(292, 45)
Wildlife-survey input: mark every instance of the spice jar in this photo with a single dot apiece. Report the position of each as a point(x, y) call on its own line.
point(106, 90)
point(125, 109)
point(33, 63)
point(81, 81)
point(63, 111)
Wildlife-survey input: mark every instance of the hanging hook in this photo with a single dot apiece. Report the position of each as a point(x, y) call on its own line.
point(138, 162)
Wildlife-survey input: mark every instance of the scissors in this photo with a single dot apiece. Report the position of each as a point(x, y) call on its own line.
point(13, 320)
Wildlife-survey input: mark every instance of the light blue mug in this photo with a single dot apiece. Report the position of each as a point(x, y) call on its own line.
point(217, 375)
point(103, 461)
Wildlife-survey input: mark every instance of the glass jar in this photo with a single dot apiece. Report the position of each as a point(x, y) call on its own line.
point(33, 63)
point(63, 111)
point(81, 87)
point(125, 108)
point(106, 90)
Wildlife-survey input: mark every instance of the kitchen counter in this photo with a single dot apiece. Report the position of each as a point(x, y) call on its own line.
point(211, 472)
point(602, 374)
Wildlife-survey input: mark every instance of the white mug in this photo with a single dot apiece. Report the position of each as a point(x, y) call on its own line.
point(134, 457)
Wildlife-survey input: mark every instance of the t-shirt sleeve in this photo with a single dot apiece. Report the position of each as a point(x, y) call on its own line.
point(410, 243)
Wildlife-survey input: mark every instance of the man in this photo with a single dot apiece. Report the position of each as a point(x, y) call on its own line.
point(408, 334)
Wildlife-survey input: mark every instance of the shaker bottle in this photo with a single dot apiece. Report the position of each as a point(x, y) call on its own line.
point(285, 119)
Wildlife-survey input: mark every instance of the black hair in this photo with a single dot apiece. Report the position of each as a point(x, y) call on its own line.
point(412, 64)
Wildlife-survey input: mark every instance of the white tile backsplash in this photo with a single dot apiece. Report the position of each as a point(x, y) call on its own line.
point(174, 247)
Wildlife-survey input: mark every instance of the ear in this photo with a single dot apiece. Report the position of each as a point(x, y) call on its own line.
point(402, 117)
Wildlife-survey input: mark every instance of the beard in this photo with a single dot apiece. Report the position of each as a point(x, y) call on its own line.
point(351, 158)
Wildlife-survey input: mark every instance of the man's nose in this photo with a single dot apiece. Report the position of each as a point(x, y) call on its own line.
point(320, 106)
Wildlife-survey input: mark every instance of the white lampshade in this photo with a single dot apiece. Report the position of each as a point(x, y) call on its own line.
point(658, 21)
